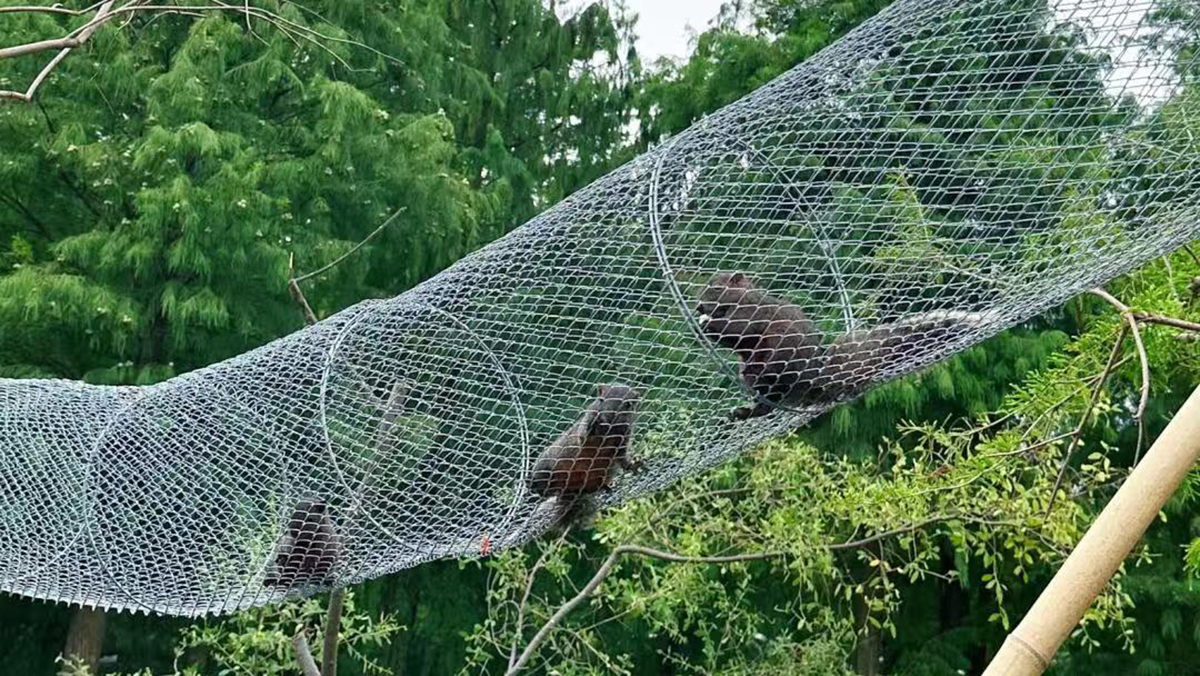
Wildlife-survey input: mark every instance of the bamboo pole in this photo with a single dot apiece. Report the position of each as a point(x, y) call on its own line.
point(1030, 647)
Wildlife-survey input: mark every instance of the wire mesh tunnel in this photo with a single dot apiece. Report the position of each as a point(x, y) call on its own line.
point(948, 170)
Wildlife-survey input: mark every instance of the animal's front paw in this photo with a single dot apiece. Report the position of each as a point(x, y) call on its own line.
point(635, 465)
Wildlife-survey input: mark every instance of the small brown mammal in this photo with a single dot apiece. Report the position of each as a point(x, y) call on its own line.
point(782, 353)
point(308, 549)
point(584, 458)
point(774, 339)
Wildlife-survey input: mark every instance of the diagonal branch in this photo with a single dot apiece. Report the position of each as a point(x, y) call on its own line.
point(308, 666)
point(79, 37)
point(1077, 433)
point(606, 569)
point(105, 12)
point(356, 247)
point(1132, 321)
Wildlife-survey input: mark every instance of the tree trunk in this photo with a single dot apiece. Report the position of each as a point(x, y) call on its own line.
point(870, 644)
point(85, 637)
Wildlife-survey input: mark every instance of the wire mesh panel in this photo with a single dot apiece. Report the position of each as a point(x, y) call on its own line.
point(950, 169)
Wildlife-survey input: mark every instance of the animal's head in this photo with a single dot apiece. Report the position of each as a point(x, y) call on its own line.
point(620, 397)
point(722, 294)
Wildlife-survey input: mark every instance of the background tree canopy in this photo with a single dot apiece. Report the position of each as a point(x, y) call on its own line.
point(153, 199)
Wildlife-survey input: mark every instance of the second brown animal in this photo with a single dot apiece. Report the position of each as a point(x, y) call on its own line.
point(585, 458)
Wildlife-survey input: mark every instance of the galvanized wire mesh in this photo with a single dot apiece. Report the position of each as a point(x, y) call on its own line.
point(948, 170)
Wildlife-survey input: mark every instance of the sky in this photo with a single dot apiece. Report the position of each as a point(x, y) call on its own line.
point(663, 24)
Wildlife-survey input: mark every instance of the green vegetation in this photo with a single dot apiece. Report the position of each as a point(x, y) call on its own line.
point(153, 197)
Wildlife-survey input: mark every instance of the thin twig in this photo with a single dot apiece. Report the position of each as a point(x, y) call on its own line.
point(349, 253)
point(333, 629)
point(1137, 340)
point(1191, 253)
point(606, 569)
point(537, 566)
point(603, 573)
point(308, 666)
point(1077, 433)
point(856, 544)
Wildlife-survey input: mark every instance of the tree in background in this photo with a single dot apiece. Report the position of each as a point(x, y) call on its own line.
point(173, 169)
point(958, 527)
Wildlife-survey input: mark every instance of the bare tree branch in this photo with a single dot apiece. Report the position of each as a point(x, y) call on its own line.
point(297, 295)
point(606, 569)
point(1137, 340)
point(1151, 318)
point(308, 666)
point(79, 37)
point(52, 9)
point(351, 252)
point(333, 629)
point(105, 12)
point(537, 566)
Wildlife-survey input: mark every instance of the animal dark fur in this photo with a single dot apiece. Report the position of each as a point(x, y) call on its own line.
point(783, 356)
point(308, 549)
point(585, 457)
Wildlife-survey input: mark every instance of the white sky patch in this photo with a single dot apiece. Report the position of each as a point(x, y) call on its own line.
point(664, 27)
point(1120, 30)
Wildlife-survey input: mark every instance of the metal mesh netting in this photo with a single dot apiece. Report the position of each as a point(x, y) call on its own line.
point(948, 170)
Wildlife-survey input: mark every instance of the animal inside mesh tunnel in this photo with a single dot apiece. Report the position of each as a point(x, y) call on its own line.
point(950, 169)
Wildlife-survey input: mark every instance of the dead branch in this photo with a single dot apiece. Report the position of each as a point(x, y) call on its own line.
point(78, 38)
point(297, 295)
point(105, 12)
point(351, 252)
point(1132, 321)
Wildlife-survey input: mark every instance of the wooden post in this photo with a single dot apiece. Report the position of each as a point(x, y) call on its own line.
point(1030, 647)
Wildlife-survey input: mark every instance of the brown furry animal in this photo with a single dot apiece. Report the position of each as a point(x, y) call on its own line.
point(585, 457)
point(784, 358)
point(308, 549)
point(775, 340)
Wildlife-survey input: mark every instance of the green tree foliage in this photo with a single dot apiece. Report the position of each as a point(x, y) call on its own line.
point(938, 544)
point(153, 199)
point(259, 642)
point(151, 203)
point(728, 62)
